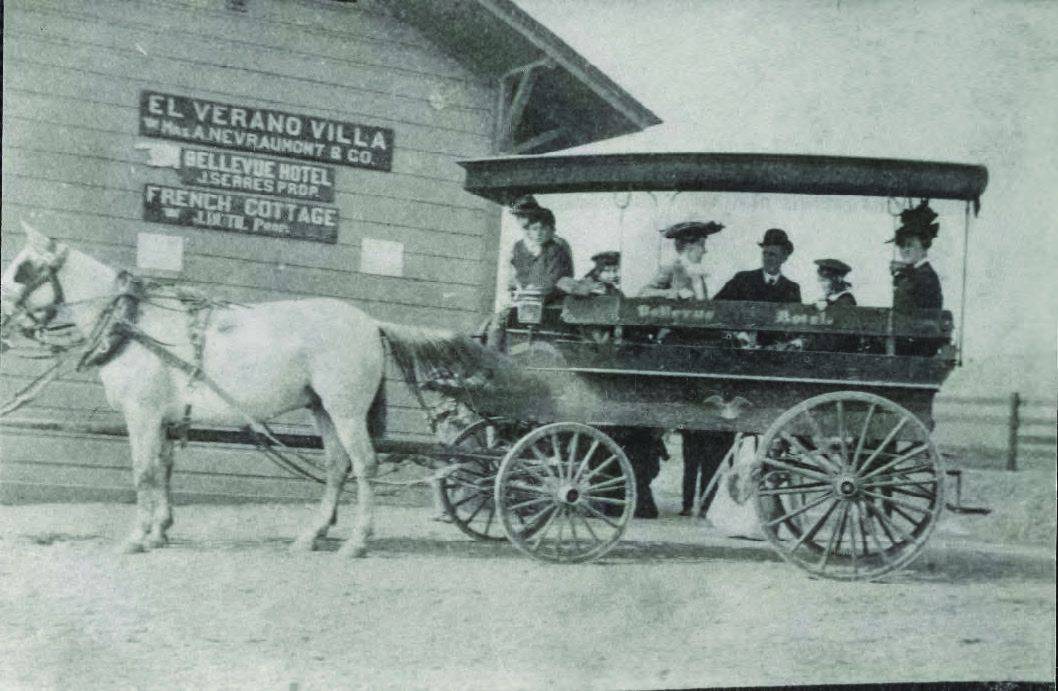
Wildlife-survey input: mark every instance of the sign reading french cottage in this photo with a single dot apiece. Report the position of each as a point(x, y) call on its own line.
point(265, 131)
point(240, 213)
point(246, 173)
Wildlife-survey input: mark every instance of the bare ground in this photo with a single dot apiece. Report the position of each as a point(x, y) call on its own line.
point(227, 605)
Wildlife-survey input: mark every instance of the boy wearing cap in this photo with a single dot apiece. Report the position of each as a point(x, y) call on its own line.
point(684, 278)
point(836, 290)
point(605, 277)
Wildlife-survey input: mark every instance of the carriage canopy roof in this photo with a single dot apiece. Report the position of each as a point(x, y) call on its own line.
point(502, 179)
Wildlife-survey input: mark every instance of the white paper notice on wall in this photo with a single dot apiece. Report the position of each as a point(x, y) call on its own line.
point(382, 257)
point(159, 253)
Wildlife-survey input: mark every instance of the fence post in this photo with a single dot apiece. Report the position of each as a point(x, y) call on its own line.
point(1012, 443)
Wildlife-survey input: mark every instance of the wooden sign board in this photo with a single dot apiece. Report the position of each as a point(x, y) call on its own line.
point(265, 131)
point(240, 213)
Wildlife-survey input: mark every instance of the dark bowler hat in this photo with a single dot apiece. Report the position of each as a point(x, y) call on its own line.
point(691, 230)
point(917, 222)
point(607, 259)
point(834, 267)
point(777, 236)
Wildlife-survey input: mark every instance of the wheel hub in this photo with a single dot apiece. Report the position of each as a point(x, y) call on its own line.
point(569, 494)
point(847, 487)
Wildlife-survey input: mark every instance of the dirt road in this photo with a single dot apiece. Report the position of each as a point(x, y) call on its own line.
point(228, 606)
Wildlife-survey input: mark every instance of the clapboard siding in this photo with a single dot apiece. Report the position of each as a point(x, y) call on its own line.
point(56, 27)
point(74, 71)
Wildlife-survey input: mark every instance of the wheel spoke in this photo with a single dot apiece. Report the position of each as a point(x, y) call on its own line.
point(874, 538)
point(476, 511)
point(607, 484)
point(925, 494)
point(608, 500)
point(904, 472)
point(863, 436)
point(601, 516)
point(792, 441)
point(899, 459)
point(797, 489)
point(832, 546)
point(921, 484)
point(863, 533)
point(587, 459)
point(798, 512)
point(542, 532)
point(492, 514)
point(840, 406)
point(532, 489)
point(599, 468)
point(811, 532)
point(465, 499)
point(888, 438)
point(574, 442)
point(796, 470)
point(907, 505)
point(852, 540)
point(817, 431)
point(587, 525)
point(529, 502)
point(888, 526)
point(545, 461)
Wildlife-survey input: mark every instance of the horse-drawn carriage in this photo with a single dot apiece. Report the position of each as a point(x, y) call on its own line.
point(846, 482)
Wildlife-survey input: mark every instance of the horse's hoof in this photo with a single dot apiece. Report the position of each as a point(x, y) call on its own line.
point(131, 547)
point(156, 541)
point(303, 545)
point(353, 551)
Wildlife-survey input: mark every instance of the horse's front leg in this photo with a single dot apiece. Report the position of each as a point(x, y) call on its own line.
point(146, 438)
point(162, 516)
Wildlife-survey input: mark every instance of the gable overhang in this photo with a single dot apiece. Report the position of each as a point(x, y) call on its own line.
point(551, 97)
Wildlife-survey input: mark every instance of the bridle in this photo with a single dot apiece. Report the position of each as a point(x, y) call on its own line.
point(32, 278)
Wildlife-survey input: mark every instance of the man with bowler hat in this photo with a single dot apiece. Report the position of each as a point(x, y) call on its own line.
point(704, 451)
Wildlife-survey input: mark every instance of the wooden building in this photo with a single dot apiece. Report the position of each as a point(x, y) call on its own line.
point(113, 107)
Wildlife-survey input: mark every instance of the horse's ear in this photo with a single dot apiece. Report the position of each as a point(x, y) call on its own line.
point(38, 240)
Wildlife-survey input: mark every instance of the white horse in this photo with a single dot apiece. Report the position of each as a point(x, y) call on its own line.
point(271, 358)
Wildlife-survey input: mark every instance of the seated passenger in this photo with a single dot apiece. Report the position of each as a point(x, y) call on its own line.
point(766, 284)
point(540, 260)
point(915, 283)
point(604, 278)
point(684, 278)
point(836, 290)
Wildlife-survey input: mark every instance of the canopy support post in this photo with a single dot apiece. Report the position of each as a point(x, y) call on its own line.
point(962, 298)
point(514, 98)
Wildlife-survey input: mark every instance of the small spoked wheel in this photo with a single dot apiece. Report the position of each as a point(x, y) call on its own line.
point(565, 493)
point(848, 485)
point(468, 491)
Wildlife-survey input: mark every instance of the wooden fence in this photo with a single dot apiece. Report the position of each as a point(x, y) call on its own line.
point(1029, 423)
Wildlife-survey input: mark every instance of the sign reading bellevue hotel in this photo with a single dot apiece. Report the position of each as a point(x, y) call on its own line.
point(245, 173)
point(265, 131)
point(240, 213)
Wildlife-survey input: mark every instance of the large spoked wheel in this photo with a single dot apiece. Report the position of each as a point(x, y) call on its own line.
point(565, 493)
point(468, 492)
point(848, 485)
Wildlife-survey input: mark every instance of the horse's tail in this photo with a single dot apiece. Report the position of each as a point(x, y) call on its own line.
point(420, 352)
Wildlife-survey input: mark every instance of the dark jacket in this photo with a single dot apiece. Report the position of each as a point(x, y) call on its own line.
point(543, 271)
point(750, 285)
point(917, 289)
point(845, 299)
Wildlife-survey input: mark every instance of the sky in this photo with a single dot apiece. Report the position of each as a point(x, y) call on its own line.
point(972, 82)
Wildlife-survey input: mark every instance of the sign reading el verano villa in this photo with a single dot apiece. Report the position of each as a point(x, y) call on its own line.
point(265, 131)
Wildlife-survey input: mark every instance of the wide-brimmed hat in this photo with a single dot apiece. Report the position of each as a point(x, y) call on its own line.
point(918, 221)
point(691, 230)
point(777, 236)
point(833, 267)
point(603, 259)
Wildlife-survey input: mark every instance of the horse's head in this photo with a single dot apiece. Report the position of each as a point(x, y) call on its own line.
point(31, 293)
